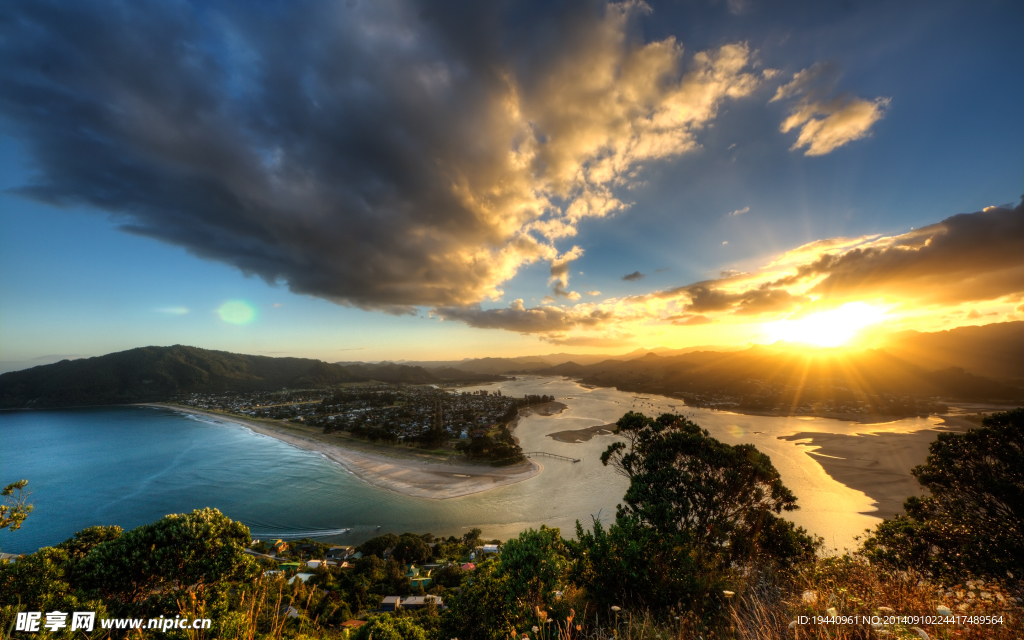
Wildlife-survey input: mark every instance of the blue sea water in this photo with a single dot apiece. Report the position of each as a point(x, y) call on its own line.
point(132, 465)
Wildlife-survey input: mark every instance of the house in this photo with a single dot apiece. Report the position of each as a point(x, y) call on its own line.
point(338, 553)
point(469, 566)
point(352, 624)
point(8, 558)
point(300, 576)
point(314, 564)
point(419, 602)
point(289, 566)
point(391, 603)
point(490, 548)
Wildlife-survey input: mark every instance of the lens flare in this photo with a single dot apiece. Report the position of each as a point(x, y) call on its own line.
point(236, 312)
point(828, 328)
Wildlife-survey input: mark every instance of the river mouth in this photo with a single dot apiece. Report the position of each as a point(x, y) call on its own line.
point(132, 465)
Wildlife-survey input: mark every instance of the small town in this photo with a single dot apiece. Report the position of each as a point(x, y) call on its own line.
point(390, 414)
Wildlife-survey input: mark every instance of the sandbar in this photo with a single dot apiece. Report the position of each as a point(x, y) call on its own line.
point(877, 463)
point(405, 472)
point(583, 435)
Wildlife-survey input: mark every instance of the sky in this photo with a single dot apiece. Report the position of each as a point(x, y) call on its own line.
point(433, 181)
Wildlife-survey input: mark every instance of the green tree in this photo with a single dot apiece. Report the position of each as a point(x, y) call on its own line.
point(505, 595)
point(411, 549)
point(536, 566)
point(14, 509)
point(631, 565)
point(449, 576)
point(377, 546)
point(385, 627)
point(713, 498)
point(973, 520)
point(193, 552)
point(481, 609)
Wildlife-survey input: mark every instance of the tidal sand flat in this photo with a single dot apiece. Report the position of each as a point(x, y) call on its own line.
point(406, 473)
point(876, 463)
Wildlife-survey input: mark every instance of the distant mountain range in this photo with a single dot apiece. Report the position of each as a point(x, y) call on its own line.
point(149, 374)
point(533, 363)
point(984, 363)
point(971, 363)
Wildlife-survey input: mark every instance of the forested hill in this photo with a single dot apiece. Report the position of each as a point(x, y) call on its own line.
point(151, 374)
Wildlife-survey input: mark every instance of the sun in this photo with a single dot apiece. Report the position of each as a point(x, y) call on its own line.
point(833, 328)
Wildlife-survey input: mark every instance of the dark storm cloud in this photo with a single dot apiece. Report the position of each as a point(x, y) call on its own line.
point(533, 320)
point(967, 257)
point(381, 154)
point(704, 298)
point(633, 277)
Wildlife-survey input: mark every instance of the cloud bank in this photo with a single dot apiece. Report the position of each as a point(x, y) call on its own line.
point(385, 155)
point(962, 260)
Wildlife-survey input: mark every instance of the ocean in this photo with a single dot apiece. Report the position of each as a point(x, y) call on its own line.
point(132, 465)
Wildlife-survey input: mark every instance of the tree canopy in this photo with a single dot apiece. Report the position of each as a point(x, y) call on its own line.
point(973, 520)
point(180, 551)
point(686, 484)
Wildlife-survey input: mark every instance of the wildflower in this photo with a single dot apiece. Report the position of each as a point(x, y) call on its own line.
point(810, 597)
point(728, 594)
point(536, 628)
point(616, 608)
point(831, 611)
point(792, 625)
point(943, 610)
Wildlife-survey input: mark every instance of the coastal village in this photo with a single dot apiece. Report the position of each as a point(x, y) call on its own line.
point(388, 413)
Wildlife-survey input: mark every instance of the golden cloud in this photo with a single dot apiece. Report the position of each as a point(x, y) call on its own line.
point(826, 123)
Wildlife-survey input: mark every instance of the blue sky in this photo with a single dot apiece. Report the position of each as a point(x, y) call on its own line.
point(355, 274)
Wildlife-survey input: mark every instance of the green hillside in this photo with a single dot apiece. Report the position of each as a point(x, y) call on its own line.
point(151, 374)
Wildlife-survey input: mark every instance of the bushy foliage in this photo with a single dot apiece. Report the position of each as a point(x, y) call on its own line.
point(84, 541)
point(390, 628)
point(513, 592)
point(411, 549)
point(377, 546)
point(973, 521)
point(194, 551)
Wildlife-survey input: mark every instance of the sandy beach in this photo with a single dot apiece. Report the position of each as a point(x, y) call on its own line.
point(409, 473)
point(877, 463)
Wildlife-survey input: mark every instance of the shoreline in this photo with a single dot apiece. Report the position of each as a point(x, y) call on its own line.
point(408, 474)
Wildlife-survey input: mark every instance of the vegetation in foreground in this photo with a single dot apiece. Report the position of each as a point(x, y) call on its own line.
point(697, 550)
